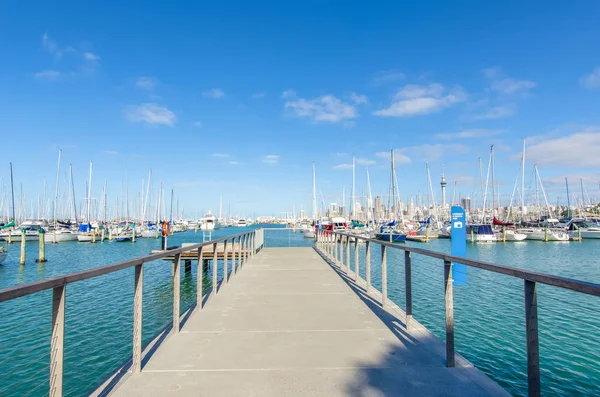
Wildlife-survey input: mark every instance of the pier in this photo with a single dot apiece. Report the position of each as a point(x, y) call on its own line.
point(292, 321)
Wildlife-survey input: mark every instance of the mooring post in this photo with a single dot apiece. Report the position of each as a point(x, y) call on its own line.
point(408, 288)
point(176, 291)
point(450, 362)
point(23, 242)
point(225, 264)
point(200, 280)
point(57, 343)
point(368, 265)
point(214, 265)
point(42, 251)
point(137, 318)
point(531, 332)
point(383, 276)
point(356, 267)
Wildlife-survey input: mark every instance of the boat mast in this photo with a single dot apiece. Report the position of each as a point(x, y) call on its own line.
point(523, 180)
point(56, 191)
point(353, 187)
point(370, 209)
point(147, 199)
point(493, 181)
point(171, 216)
point(393, 186)
point(568, 199)
point(12, 189)
point(314, 192)
point(89, 195)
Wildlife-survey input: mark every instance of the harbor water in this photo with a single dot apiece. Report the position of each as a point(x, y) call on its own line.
point(489, 310)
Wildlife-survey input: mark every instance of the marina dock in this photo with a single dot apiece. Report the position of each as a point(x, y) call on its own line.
point(332, 319)
point(291, 324)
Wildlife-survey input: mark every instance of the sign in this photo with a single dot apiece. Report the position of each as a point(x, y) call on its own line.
point(458, 220)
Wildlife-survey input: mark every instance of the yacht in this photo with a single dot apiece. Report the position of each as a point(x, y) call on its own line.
point(3, 254)
point(209, 222)
point(241, 223)
point(32, 232)
point(481, 234)
point(60, 235)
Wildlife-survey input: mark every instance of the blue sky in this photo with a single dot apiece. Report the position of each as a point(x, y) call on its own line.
point(239, 98)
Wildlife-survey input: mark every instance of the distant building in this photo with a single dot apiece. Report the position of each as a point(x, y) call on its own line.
point(465, 202)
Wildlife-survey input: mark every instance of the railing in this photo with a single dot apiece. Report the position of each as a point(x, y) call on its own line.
point(337, 247)
point(238, 249)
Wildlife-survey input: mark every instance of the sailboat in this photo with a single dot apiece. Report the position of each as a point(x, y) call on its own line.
point(309, 232)
point(87, 233)
point(389, 231)
point(60, 232)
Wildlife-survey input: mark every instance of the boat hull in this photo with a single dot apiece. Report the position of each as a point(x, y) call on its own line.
point(149, 234)
point(540, 235)
point(17, 237)
point(395, 237)
point(50, 237)
point(309, 233)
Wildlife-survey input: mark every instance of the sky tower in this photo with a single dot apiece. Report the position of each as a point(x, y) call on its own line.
point(443, 184)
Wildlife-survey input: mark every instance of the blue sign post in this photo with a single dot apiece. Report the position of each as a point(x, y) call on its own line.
point(459, 243)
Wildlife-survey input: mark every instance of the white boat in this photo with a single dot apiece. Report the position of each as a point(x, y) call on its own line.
point(60, 236)
point(32, 232)
point(480, 234)
point(241, 223)
point(3, 254)
point(510, 235)
point(150, 233)
point(544, 234)
point(209, 222)
point(309, 232)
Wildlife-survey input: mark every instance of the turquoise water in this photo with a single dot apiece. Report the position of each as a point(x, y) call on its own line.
point(489, 311)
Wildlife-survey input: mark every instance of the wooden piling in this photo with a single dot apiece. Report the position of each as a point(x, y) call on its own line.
point(23, 246)
point(42, 251)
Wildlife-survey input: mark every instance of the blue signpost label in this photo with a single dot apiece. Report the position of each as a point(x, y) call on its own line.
point(459, 243)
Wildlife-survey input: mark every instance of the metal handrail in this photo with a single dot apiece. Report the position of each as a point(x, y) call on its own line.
point(246, 249)
point(327, 244)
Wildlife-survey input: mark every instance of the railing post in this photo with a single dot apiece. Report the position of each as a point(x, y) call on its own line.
point(383, 276)
point(241, 251)
point(246, 241)
point(253, 245)
point(200, 276)
point(356, 259)
point(233, 256)
point(176, 291)
point(408, 288)
point(450, 362)
point(368, 265)
point(533, 352)
point(348, 254)
point(335, 251)
point(137, 318)
point(225, 264)
point(57, 344)
point(215, 264)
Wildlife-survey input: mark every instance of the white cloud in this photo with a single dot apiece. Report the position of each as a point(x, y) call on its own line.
point(362, 161)
point(506, 85)
point(414, 100)
point(198, 124)
point(343, 167)
point(111, 152)
point(496, 112)
point(233, 163)
point(47, 75)
point(151, 113)
point(214, 93)
point(288, 94)
point(399, 157)
point(326, 108)
point(358, 99)
point(559, 180)
point(220, 155)
point(591, 80)
point(387, 76)
point(578, 150)
point(270, 159)
point(258, 95)
point(91, 56)
point(469, 134)
point(146, 83)
point(53, 48)
point(341, 154)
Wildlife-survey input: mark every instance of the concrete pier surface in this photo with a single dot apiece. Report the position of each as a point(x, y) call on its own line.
point(290, 324)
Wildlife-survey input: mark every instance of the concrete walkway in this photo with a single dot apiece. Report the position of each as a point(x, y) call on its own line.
point(289, 325)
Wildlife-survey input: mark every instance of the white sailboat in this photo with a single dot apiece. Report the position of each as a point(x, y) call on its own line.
point(309, 232)
point(86, 232)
